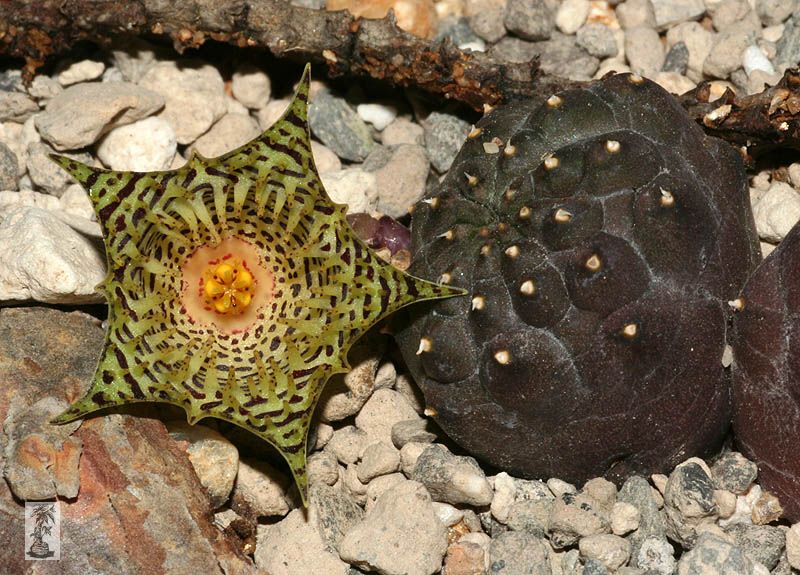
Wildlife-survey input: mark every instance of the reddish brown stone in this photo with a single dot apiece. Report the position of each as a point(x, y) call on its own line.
point(140, 507)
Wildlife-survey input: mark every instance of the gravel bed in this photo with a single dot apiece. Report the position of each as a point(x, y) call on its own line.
point(389, 493)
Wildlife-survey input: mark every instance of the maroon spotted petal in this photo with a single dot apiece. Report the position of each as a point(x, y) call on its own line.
point(600, 235)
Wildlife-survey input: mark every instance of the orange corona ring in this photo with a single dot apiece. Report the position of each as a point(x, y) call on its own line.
point(227, 284)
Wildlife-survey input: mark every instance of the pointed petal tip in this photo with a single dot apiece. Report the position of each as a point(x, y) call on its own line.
point(78, 170)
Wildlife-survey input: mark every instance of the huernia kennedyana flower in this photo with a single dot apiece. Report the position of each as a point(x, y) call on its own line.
point(235, 286)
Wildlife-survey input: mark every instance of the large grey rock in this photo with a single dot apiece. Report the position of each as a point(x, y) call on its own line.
point(79, 115)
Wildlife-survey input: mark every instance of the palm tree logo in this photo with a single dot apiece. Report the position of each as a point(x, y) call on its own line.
point(43, 516)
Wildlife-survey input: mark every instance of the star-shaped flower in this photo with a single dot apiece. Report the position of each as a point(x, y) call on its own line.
point(235, 286)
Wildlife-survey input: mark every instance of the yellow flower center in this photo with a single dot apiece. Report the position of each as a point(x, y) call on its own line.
point(229, 287)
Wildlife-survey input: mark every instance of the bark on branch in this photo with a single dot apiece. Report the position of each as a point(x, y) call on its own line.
point(757, 123)
point(34, 30)
point(37, 29)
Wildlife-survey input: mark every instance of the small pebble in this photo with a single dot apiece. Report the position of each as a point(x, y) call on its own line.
point(385, 408)
point(447, 514)
point(16, 107)
point(444, 135)
point(402, 131)
point(36, 244)
point(377, 459)
point(294, 547)
point(142, 146)
point(354, 187)
point(793, 545)
point(559, 487)
point(9, 168)
point(228, 133)
point(673, 82)
point(401, 180)
point(451, 478)
point(698, 42)
point(322, 468)
point(656, 555)
point(766, 509)
point(518, 552)
point(214, 459)
point(400, 536)
point(251, 86)
point(714, 555)
point(379, 485)
point(486, 17)
point(773, 12)
point(347, 444)
point(44, 87)
point(733, 472)
point(409, 455)
point(670, 12)
point(379, 115)
point(624, 518)
point(260, 490)
point(726, 503)
point(411, 430)
point(529, 19)
point(726, 52)
point(574, 516)
point(571, 15)
point(761, 543)
point(636, 13)
point(465, 558)
point(788, 46)
point(82, 71)
point(754, 59)
point(644, 51)
point(82, 113)
point(777, 212)
point(676, 59)
point(194, 94)
point(598, 40)
point(610, 550)
point(337, 125)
